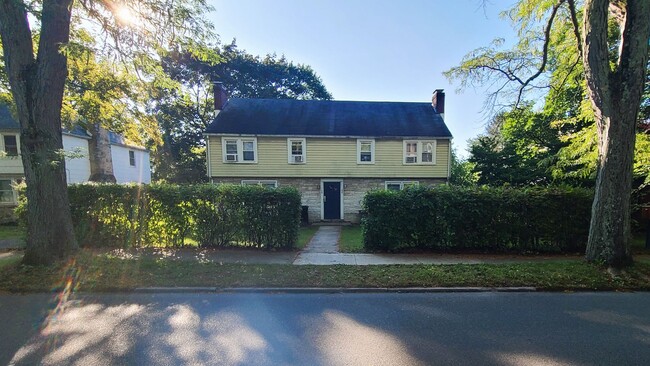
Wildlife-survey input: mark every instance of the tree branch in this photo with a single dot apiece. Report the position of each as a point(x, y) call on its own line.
point(18, 51)
point(576, 25)
point(547, 40)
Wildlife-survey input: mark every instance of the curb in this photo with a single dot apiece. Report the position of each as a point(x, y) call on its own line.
point(325, 290)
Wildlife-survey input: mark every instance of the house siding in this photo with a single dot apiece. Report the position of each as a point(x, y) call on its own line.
point(354, 189)
point(123, 170)
point(328, 158)
point(77, 169)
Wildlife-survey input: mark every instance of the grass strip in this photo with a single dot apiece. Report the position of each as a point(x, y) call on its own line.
point(87, 272)
point(11, 232)
point(351, 240)
point(305, 234)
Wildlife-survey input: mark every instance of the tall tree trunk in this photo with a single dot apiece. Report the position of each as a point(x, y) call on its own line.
point(615, 96)
point(101, 160)
point(37, 88)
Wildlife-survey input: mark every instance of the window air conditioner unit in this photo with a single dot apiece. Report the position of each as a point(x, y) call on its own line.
point(411, 159)
point(231, 157)
point(297, 159)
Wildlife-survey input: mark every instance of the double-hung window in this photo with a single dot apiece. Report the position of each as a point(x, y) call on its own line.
point(10, 145)
point(131, 157)
point(263, 183)
point(239, 150)
point(297, 150)
point(400, 185)
point(420, 152)
point(365, 151)
point(7, 194)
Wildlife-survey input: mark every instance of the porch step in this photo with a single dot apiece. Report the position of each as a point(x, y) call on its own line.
point(331, 223)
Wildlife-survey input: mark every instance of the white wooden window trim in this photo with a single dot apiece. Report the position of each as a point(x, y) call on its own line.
point(401, 183)
point(297, 158)
point(372, 151)
point(253, 182)
point(238, 158)
point(2, 143)
point(420, 144)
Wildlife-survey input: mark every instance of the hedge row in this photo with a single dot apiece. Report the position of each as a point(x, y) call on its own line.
point(486, 219)
point(167, 215)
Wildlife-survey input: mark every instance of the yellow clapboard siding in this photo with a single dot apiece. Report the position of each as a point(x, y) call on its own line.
point(328, 157)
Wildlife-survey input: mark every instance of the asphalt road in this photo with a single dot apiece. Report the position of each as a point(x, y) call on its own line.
point(327, 329)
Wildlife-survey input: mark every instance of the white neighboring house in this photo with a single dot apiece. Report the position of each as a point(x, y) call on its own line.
point(130, 162)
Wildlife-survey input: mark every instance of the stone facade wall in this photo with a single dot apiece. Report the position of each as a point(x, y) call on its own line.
point(354, 189)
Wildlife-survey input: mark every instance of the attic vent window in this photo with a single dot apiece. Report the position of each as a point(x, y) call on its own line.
point(11, 145)
point(131, 157)
point(297, 149)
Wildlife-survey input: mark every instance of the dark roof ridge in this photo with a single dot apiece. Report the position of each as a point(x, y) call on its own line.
point(328, 118)
point(331, 100)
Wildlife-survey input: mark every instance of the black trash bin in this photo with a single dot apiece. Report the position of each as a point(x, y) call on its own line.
point(304, 215)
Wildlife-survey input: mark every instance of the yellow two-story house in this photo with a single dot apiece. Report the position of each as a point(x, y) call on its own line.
point(333, 152)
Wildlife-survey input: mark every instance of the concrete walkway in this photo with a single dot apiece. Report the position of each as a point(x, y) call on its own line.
point(326, 240)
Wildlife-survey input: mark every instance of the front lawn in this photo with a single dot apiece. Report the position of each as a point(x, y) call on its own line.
point(305, 233)
point(11, 232)
point(351, 240)
point(638, 243)
point(87, 272)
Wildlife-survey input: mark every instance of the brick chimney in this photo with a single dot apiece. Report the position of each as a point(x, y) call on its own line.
point(220, 95)
point(438, 101)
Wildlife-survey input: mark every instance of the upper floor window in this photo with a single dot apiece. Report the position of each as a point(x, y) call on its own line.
point(131, 157)
point(365, 151)
point(420, 152)
point(10, 145)
point(297, 150)
point(239, 150)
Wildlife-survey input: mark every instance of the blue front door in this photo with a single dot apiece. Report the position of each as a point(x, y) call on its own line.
point(332, 200)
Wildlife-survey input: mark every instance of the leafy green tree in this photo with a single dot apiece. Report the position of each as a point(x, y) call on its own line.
point(184, 115)
point(614, 66)
point(462, 172)
point(36, 70)
point(518, 150)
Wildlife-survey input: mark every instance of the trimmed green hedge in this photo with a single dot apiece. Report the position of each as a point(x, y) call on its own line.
point(167, 215)
point(486, 219)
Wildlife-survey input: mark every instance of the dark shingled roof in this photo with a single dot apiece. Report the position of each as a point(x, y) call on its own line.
point(328, 118)
point(7, 121)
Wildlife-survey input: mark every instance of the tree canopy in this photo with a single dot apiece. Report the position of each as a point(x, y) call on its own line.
point(184, 114)
point(590, 60)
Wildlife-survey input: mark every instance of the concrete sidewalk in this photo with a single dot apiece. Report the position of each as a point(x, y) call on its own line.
point(6, 244)
point(363, 259)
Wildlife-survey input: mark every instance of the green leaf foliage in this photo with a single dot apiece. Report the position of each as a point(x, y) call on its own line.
point(183, 114)
point(112, 215)
point(448, 218)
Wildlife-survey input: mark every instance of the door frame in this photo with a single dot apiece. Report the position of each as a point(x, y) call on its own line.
point(322, 197)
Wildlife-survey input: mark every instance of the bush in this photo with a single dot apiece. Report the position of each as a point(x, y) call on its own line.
point(167, 215)
point(488, 219)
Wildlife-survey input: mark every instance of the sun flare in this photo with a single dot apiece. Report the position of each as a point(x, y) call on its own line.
point(125, 16)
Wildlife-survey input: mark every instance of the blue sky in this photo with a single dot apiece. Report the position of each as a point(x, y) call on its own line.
point(377, 50)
